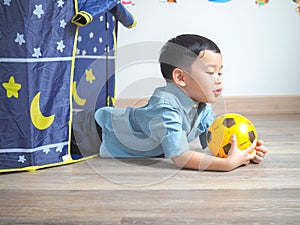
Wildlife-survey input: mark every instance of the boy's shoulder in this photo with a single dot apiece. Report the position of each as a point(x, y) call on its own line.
point(165, 95)
point(172, 95)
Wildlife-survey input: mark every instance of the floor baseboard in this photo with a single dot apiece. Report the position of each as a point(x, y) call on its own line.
point(264, 104)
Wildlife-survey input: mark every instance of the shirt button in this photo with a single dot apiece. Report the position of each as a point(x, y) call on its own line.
point(191, 115)
point(195, 105)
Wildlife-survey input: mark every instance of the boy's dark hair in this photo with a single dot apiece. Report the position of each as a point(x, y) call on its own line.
point(181, 52)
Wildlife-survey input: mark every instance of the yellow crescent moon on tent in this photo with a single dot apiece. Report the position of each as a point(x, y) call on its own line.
point(79, 101)
point(40, 121)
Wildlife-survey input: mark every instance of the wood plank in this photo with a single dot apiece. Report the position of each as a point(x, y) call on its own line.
point(154, 191)
point(261, 104)
point(279, 206)
point(269, 104)
point(277, 171)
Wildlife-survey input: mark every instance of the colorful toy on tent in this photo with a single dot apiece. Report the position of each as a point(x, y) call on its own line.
point(261, 2)
point(298, 6)
point(219, 133)
point(127, 2)
point(168, 1)
point(219, 1)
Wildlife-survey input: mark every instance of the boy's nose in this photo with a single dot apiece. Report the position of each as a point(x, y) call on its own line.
point(218, 78)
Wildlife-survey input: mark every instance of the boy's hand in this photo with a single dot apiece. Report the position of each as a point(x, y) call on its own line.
point(237, 157)
point(261, 151)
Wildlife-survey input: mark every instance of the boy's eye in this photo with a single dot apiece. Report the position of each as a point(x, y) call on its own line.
point(212, 73)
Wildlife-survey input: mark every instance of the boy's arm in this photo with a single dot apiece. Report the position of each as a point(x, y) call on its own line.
point(200, 161)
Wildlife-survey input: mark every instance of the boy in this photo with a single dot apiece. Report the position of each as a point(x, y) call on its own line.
point(177, 113)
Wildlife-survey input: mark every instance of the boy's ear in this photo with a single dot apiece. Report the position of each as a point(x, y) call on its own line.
point(179, 77)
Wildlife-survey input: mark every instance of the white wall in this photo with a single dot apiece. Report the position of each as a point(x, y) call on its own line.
point(260, 45)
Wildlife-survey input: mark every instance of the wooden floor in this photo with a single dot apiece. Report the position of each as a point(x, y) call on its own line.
point(153, 191)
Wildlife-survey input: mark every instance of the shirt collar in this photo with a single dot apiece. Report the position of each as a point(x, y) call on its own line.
point(187, 103)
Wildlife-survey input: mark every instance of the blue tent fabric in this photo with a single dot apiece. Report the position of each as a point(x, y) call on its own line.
point(94, 76)
point(44, 77)
point(95, 64)
point(123, 16)
point(95, 7)
point(36, 48)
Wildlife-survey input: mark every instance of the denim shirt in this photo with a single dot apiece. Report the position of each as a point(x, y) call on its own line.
point(165, 125)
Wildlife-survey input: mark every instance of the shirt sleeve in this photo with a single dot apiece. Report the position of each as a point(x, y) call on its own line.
point(174, 144)
point(174, 141)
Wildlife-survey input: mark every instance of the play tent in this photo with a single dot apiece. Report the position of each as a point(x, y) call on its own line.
point(56, 57)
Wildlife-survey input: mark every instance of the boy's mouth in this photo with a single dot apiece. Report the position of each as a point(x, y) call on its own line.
point(218, 91)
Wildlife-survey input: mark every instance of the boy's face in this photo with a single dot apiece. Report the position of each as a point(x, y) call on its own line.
point(204, 82)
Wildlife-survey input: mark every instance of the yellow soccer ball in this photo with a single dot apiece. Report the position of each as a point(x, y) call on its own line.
point(220, 131)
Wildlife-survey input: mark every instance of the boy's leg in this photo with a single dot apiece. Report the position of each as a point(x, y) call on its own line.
point(86, 134)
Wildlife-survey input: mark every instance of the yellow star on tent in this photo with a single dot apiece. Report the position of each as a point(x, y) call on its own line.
point(89, 76)
point(12, 88)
